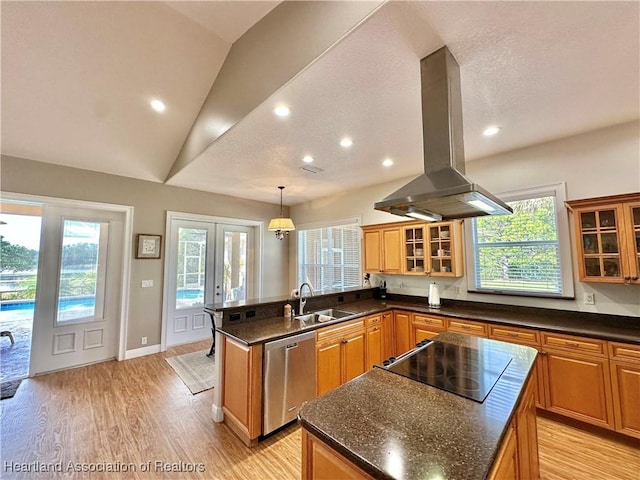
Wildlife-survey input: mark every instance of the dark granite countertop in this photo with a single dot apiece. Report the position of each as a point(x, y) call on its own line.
point(606, 327)
point(420, 431)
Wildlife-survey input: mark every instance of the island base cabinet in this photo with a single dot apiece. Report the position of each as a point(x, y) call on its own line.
point(320, 462)
point(242, 390)
point(506, 464)
point(527, 434)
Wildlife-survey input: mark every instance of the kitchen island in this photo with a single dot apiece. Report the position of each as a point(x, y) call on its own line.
point(384, 425)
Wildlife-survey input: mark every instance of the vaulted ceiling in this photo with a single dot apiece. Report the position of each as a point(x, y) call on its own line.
point(77, 79)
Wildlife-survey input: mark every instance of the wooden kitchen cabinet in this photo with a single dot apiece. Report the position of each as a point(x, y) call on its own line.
point(242, 389)
point(469, 327)
point(340, 354)
point(388, 334)
point(382, 248)
point(577, 378)
point(402, 326)
point(445, 257)
point(321, 462)
point(607, 237)
point(625, 380)
point(527, 434)
point(415, 249)
point(523, 336)
point(506, 464)
point(426, 327)
point(375, 340)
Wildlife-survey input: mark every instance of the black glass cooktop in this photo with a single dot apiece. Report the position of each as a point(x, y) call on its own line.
point(464, 371)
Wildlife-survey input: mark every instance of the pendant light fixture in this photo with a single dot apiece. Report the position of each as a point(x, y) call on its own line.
point(282, 226)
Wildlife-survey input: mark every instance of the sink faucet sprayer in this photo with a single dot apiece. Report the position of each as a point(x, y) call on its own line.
point(303, 300)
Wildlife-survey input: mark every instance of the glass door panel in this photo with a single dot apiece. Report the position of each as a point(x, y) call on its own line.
point(191, 267)
point(82, 271)
point(600, 243)
point(235, 266)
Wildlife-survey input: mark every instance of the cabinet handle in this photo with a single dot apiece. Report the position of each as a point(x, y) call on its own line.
point(572, 344)
point(512, 334)
point(466, 327)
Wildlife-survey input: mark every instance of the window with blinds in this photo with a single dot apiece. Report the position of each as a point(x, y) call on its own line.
point(329, 256)
point(520, 253)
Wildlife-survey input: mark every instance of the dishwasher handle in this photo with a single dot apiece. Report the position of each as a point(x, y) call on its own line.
point(292, 345)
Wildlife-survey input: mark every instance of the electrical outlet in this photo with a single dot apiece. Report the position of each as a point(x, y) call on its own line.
point(143, 341)
point(457, 290)
point(147, 283)
point(589, 299)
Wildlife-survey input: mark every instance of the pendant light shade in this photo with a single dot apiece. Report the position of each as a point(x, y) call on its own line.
point(281, 225)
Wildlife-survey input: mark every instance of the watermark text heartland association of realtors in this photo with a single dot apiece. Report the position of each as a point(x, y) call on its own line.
point(103, 467)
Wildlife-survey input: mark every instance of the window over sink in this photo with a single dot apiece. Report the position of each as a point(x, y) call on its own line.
point(527, 252)
point(329, 254)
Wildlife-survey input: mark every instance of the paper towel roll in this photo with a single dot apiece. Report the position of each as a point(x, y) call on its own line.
point(434, 295)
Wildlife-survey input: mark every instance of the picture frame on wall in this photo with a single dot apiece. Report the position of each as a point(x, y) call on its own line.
point(148, 246)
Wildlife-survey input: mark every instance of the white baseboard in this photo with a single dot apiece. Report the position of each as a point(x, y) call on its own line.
point(141, 352)
point(217, 413)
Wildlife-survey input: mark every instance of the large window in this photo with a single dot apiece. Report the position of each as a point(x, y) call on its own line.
point(524, 253)
point(329, 255)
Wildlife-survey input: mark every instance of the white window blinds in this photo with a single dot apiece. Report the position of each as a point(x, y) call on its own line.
point(329, 256)
point(520, 253)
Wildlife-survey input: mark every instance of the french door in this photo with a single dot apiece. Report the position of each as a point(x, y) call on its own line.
point(208, 262)
point(78, 297)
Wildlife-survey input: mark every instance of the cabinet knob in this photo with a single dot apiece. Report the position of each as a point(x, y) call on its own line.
point(344, 341)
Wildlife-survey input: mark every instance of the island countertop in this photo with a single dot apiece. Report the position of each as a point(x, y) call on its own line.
point(397, 428)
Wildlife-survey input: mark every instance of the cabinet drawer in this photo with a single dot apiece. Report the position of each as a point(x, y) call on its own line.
point(468, 327)
point(575, 344)
point(624, 351)
point(514, 334)
point(340, 330)
point(431, 321)
point(374, 320)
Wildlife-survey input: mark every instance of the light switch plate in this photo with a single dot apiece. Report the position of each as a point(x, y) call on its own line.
point(147, 283)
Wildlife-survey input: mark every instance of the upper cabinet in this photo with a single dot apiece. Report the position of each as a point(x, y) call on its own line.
point(382, 248)
point(414, 248)
point(607, 236)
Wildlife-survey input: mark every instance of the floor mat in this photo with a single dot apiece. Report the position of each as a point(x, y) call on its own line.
point(195, 369)
point(9, 389)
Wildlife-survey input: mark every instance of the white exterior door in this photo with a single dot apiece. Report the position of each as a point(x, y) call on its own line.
point(191, 266)
point(208, 262)
point(77, 312)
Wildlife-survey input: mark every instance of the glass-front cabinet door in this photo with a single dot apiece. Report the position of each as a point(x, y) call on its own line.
point(632, 213)
point(608, 238)
point(600, 241)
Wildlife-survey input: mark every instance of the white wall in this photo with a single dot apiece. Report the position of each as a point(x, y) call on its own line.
point(150, 201)
point(598, 163)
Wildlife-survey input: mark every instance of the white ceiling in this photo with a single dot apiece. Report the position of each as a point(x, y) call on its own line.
point(77, 78)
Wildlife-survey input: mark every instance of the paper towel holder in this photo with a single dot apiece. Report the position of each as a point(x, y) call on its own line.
point(434, 295)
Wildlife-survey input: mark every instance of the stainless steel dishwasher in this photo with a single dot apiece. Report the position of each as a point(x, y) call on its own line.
point(289, 378)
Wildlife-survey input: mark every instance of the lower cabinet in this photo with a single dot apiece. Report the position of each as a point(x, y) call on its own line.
point(527, 434)
point(375, 340)
point(388, 333)
point(242, 389)
point(469, 327)
point(426, 327)
point(577, 378)
point(506, 464)
point(402, 326)
point(340, 354)
point(625, 379)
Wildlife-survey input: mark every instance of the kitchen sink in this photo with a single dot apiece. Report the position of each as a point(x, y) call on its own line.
point(324, 315)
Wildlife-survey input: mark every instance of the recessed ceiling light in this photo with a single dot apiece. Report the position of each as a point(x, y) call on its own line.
point(346, 142)
point(307, 159)
point(491, 131)
point(282, 111)
point(387, 162)
point(158, 105)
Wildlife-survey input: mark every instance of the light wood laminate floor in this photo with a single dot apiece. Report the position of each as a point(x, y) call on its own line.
point(126, 414)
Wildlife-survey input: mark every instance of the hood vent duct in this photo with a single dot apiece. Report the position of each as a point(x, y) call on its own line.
point(442, 192)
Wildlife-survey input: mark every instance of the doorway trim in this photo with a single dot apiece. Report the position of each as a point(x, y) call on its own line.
point(171, 216)
point(127, 233)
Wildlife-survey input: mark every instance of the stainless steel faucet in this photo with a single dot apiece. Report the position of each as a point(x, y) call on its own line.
point(303, 300)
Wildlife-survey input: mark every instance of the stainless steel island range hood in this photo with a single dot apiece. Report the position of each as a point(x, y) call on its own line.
point(442, 192)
